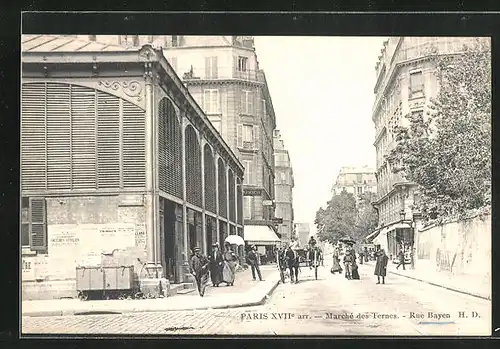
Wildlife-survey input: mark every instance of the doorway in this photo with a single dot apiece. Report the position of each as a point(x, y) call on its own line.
point(169, 220)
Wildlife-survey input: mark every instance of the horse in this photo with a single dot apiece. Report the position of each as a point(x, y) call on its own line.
point(292, 261)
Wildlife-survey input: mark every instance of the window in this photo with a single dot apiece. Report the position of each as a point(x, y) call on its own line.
point(242, 63)
point(245, 136)
point(33, 224)
point(247, 207)
point(211, 67)
point(359, 177)
point(174, 41)
point(249, 178)
point(211, 101)
point(150, 38)
point(247, 102)
point(416, 83)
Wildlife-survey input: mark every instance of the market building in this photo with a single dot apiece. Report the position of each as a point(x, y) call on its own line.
point(405, 85)
point(119, 165)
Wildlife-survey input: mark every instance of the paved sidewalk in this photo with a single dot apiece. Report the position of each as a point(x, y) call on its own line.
point(245, 292)
point(477, 286)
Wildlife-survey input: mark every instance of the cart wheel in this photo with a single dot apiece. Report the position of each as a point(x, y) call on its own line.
point(83, 296)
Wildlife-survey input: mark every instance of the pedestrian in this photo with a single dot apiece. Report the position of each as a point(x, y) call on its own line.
point(361, 256)
point(199, 269)
point(366, 254)
point(401, 257)
point(336, 261)
point(254, 263)
point(216, 265)
point(381, 265)
point(229, 270)
point(348, 263)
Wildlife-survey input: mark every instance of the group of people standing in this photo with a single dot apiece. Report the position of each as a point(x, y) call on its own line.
point(221, 265)
point(351, 267)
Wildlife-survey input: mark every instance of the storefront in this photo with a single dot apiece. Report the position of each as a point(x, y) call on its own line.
point(264, 238)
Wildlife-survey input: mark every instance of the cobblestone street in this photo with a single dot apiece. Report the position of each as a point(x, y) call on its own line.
point(311, 307)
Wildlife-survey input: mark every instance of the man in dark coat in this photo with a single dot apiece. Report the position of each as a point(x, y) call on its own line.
point(381, 266)
point(216, 265)
point(254, 262)
point(348, 260)
point(199, 269)
point(401, 257)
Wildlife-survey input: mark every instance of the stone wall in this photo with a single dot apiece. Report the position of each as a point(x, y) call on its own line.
point(458, 248)
point(89, 231)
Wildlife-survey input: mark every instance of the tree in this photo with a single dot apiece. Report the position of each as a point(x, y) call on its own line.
point(341, 218)
point(447, 152)
point(367, 217)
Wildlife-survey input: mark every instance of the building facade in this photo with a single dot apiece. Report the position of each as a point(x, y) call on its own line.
point(355, 180)
point(283, 187)
point(302, 232)
point(405, 84)
point(119, 164)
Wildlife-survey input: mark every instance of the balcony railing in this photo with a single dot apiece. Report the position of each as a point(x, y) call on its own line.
point(218, 73)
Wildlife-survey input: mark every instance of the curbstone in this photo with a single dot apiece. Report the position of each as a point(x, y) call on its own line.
point(252, 303)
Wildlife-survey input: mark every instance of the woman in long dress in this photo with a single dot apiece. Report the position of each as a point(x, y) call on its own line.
point(381, 266)
point(228, 273)
point(336, 262)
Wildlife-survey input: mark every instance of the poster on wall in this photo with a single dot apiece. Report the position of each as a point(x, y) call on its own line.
point(140, 236)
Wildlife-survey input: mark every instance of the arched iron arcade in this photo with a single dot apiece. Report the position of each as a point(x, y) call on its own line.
point(222, 188)
point(193, 167)
point(169, 149)
point(210, 176)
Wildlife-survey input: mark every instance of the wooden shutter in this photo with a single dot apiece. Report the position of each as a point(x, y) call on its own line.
point(214, 68)
point(33, 141)
point(162, 144)
point(38, 228)
point(239, 132)
point(108, 141)
point(58, 136)
point(133, 146)
point(206, 101)
point(208, 62)
point(243, 103)
point(83, 137)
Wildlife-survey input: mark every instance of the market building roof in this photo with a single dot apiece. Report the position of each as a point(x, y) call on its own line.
point(65, 43)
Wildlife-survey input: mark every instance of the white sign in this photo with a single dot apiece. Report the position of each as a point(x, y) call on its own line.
point(267, 203)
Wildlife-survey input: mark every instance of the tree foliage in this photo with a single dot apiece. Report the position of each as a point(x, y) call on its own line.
point(341, 218)
point(447, 151)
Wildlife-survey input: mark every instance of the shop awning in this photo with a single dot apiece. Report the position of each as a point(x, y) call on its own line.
point(260, 235)
point(373, 235)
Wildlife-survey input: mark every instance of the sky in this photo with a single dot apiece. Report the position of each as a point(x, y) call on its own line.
point(322, 93)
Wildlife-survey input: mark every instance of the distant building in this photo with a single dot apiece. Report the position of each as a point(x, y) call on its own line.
point(355, 180)
point(283, 187)
point(302, 230)
point(405, 84)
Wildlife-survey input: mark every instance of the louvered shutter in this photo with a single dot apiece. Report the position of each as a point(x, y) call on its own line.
point(251, 174)
point(208, 70)
point(206, 101)
point(108, 141)
point(83, 137)
point(214, 68)
point(38, 230)
point(58, 136)
point(216, 102)
point(240, 135)
point(133, 146)
point(243, 104)
point(33, 144)
point(251, 103)
point(162, 144)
